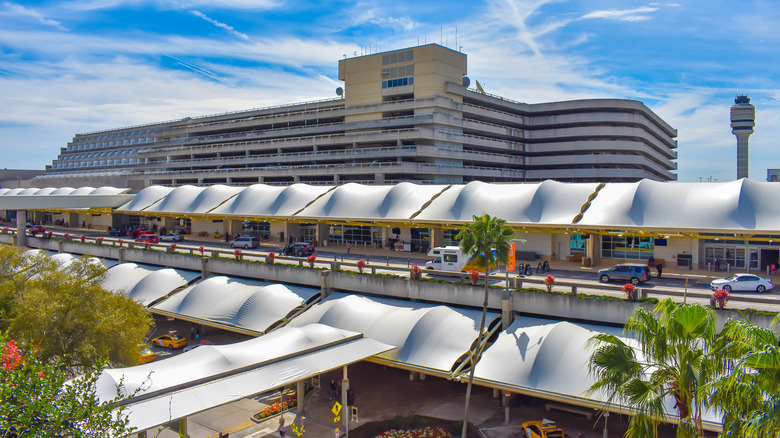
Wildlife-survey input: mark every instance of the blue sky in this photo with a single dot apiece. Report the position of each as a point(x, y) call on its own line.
point(76, 66)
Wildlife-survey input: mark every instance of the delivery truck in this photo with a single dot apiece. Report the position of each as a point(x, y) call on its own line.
point(452, 259)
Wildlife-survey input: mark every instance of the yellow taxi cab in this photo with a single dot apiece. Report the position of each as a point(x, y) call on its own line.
point(171, 341)
point(146, 355)
point(541, 429)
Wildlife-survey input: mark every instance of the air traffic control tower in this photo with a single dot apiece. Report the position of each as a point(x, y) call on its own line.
point(743, 119)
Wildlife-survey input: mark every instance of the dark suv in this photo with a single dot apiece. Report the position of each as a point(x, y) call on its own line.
point(631, 272)
point(299, 249)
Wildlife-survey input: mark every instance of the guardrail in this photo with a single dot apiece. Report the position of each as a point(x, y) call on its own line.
point(372, 267)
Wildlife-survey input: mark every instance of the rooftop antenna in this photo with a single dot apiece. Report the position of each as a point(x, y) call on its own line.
point(456, 36)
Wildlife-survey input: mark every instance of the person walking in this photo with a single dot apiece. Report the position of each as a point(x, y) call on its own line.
point(332, 389)
point(348, 247)
point(660, 267)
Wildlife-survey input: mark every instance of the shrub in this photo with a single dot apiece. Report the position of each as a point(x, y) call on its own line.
point(201, 249)
point(83, 237)
point(99, 240)
point(416, 272)
point(549, 281)
point(5, 230)
point(66, 236)
point(630, 291)
point(474, 276)
point(360, 265)
point(277, 408)
point(120, 241)
point(237, 253)
point(147, 245)
point(270, 258)
point(720, 297)
point(311, 259)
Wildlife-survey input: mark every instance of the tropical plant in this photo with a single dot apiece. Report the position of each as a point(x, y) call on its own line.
point(38, 399)
point(479, 239)
point(549, 281)
point(311, 259)
point(720, 297)
point(237, 254)
point(474, 276)
point(630, 291)
point(674, 356)
point(360, 265)
point(416, 272)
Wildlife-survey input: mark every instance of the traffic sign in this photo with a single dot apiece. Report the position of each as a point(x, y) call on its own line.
point(336, 408)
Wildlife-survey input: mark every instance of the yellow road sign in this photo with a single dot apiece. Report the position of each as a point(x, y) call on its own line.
point(336, 408)
point(337, 418)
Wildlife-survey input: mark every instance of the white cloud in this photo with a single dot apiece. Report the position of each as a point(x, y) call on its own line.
point(21, 12)
point(222, 25)
point(638, 14)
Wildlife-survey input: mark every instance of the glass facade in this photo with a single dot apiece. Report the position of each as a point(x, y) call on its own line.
point(449, 238)
point(577, 245)
point(627, 247)
point(341, 234)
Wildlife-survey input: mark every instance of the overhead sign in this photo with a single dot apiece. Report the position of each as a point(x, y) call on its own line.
point(510, 263)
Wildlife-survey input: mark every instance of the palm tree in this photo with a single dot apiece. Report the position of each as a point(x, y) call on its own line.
point(479, 239)
point(672, 355)
point(749, 395)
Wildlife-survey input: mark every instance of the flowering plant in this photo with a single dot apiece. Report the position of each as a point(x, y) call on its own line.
point(474, 276)
point(173, 247)
point(360, 265)
point(99, 240)
point(416, 272)
point(66, 236)
point(49, 234)
point(630, 290)
point(311, 259)
point(549, 281)
point(121, 241)
point(147, 245)
point(201, 249)
point(271, 257)
point(5, 230)
point(720, 297)
point(83, 237)
point(277, 408)
point(237, 253)
point(425, 432)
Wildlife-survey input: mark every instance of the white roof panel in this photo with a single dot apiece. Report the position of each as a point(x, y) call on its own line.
point(145, 283)
point(426, 335)
point(253, 305)
point(191, 199)
point(271, 201)
point(145, 198)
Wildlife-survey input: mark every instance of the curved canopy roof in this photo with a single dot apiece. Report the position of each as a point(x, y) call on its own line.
point(214, 375)
point(271, 201)
point(734, 205)
point(425, 335)
point(193, 200)
point(145, 283)
point(365, 202)
point(63, 198)
point(248, 304)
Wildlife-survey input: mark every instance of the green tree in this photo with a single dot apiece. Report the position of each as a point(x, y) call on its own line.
point(749, 395)
point(66, 314)
point(479, 239)
point(675, 356)
point(38, 400)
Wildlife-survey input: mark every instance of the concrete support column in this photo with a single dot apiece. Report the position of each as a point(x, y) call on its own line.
point(437, 237)
point(183, 427)
point(321, 232)
point(204, 268)
point(507, 315)
point(325, 289)
point(122, 255)
point(21, 231)
point(300, 393)
point(346, 409)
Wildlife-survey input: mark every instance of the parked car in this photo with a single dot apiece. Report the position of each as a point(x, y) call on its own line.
point(115, 232)
point(300, 249)
point(172, 237)
point(150, 237)
point(540, 429)
point(634, 273)
point(244, 242)
point(171, 341)
point(146, 355)
point(742, 282)
point(35, 229)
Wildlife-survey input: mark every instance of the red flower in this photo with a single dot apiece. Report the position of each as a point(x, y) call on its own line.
point(474, 276)
point(311, 259)
point(720, 297)
point(416, 272)
point(11, 356)
point(549, 281)
point(630, 290)
point(360, 265)
point(201, 249)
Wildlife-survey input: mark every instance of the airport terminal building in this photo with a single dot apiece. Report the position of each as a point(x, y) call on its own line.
point(402, 116)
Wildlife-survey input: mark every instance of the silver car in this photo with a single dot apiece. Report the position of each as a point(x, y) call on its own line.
point(634, 273)
point(742, 282)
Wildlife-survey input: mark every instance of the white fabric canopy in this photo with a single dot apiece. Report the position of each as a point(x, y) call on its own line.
point(145, 283)
point(735, 205)
point(211, 376)
point(62, 198)
point(193, 200)
point(253, 305)
point(548, 202)
point(270, 201)
point(425, 335)
point(145, 198)
point(360, 202)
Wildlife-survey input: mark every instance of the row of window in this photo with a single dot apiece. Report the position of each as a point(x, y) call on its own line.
point(125, 142)
point(399, 72)
point(398, 57)
point(390, 83)
point(95, 163)
point(100, 154)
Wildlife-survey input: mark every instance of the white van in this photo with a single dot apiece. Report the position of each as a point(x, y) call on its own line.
point(451, 259)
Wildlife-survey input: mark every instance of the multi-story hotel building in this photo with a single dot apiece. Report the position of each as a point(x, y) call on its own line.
point(405, 115)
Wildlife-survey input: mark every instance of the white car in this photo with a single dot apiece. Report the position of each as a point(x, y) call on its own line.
point(742, 282)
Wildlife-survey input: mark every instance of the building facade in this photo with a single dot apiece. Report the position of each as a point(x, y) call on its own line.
point(403, 116)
